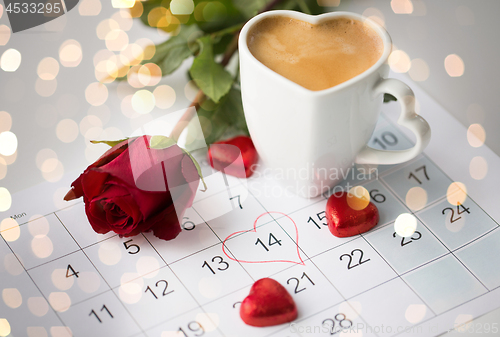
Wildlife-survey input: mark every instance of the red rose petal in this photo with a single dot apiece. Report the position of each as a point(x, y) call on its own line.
point(93, 183)
point(166, 224)
point(268, 304)
point(126, 189)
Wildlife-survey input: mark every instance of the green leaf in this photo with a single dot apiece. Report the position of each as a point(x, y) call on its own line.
point(303, 6)
point(250, 8)
point(209, 75)
point(170, 54)
point(221, 43)
point(216, 119)
point(389, 97)
point(217, 15)
point(232, 111)
point(212, 124)
point(198, 168)
point(161, 142)
point(314, 8)
point(111, 143)
point(148, 6)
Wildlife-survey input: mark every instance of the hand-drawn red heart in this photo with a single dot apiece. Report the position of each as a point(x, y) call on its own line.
point(221, 156)
point(300, 261)
point(348, 215)
point(268, 304)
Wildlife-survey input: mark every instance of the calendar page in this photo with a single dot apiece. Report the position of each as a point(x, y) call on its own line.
point(59, 278)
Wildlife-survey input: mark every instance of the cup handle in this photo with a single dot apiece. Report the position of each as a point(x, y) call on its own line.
point(408, 118)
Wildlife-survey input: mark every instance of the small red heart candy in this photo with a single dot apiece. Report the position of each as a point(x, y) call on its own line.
point(268, 304)
point(221, 156)
point(349, 215)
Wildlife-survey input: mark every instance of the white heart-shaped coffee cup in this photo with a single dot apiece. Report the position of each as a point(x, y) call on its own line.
point(309, 140)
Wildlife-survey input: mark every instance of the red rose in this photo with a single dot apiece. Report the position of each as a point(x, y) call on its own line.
point(133, 188)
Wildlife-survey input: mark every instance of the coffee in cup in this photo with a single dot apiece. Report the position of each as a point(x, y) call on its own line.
point(315, 56)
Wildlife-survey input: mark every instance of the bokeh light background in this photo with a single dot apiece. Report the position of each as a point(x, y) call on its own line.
point(56, 92)
point(58, 88)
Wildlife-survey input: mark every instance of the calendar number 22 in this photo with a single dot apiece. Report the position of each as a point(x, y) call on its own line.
point(350, 257)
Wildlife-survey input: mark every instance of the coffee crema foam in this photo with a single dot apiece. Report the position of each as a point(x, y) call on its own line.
point(316, 57)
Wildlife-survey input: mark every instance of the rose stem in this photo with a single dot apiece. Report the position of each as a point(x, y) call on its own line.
point(200, 96)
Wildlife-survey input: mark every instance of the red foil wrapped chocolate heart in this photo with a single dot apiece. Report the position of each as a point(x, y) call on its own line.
point(350, 214)
point(268, 304)
point(226, 158)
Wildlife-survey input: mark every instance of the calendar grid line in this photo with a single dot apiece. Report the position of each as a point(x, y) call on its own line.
point(352, 238)
point(354, 296)
point(36, 285)
point(98, 242)
point(298, 209)
point(238, 261)
point(272, 216)
point(399, 276)
point(228, 294)
point(426, 206)
point(100, 274)
point(219, 192)
point(451, 252)
point(439, 168)
point(346, 300)
point(189, 255)
point(44, 215)
point(477, 278)
point(437, 201)
point(367, 290)
point(222, 243)
point(212, 294)
point(305, 318)
point(389, 280)
point(444, 173)
point(476, 239)
point(416, 214)
point(185, 287)
point(308, 258)
point(448, 310)
point(394, 194)
point(425, 264)
point(50, 261)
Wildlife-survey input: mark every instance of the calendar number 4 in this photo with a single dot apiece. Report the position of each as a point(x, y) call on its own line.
point(73, 272)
